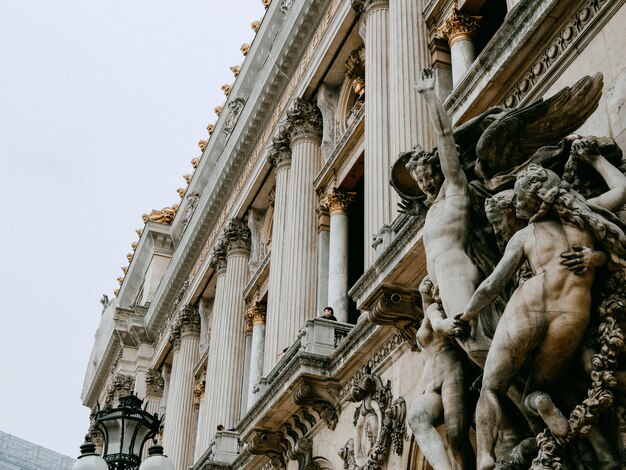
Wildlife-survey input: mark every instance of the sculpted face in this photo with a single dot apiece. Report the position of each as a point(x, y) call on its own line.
point(526, 204)
point(429, 179)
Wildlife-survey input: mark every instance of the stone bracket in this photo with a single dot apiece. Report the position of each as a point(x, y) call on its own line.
point(269, 443)
point(322, 396)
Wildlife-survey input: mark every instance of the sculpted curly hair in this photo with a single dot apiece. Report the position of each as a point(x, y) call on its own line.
point(422, 158)
point(571, 208)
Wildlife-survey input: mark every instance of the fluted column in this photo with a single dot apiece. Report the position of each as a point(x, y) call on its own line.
point(337, 202)
point(226, 358)
point(201, 429)
point(380, 200)
point(185, 338)
point(245, 394)
point(459, 31)
point(155, 385)
point(409, 55)
point(323, 237)
point(280, 157)
point(300, 267)
point(256, 316)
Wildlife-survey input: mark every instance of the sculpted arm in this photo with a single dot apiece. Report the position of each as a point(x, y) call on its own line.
point(448, 155)
point(503, 273)
point(615, 197)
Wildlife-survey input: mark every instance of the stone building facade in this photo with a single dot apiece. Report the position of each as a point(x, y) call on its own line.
point(289, 209)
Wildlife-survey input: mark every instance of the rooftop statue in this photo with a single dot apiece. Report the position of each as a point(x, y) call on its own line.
point(525, 246)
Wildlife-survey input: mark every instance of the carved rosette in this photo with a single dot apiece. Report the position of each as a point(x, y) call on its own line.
point(355, 70)
point(154, 383)
point(280, 149)
point(379, 424)
point(338, 200)
point(237, 236)
point(458, 27)
point(306, 119)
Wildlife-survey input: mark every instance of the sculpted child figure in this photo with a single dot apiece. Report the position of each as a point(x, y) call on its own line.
point(547, 314)
point(443, 400)
point(440, 177)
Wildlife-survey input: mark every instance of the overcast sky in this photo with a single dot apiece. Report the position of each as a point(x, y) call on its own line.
point(102, 104)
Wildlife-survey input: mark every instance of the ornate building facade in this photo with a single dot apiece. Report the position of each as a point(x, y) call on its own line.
point(290, 209)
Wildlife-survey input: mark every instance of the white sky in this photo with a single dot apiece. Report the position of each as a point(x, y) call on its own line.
point(102, 103)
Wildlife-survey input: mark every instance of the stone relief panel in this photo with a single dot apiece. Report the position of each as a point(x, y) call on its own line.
point(525, 248)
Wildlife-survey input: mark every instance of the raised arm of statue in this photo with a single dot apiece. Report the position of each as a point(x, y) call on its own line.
point(615, 197)
point(448, 155)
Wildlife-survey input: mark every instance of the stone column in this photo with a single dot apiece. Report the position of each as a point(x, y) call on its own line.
point(409, 55)
point(280, 157)
point(245, 394)
point(323, 236)
point(201, 429)
point(227, 350)
point(300, 266)
point(256, 316)
point(155, 385)
point(337, 202)
point(380, 199)
point(179, 434)
point(459, 31)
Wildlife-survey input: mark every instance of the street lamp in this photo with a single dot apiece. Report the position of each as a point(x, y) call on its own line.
point(156, 460)
point(88, 459)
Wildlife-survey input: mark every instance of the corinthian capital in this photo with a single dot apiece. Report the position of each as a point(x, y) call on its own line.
point(360, 6)
point(218, 255)
point(305, 118)
point(237, 235)
point(154, 382)
point(187, 321)
point(256, 314)
point(458, 26)
point(338, 200)
point(280, 149)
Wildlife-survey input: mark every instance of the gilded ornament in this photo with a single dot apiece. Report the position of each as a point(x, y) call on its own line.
point(266, 3)
point(355, 70)
point(202, 144)
point(245, 48)
point(458, 26)
point(226, 88)
point(194, 162)
point(338, 200)
point(129, 256)
point(139, 231)
point(256, 25)
point(181, 192)
point(164, 216)
point(187, 178)
point(211, 127)
point(235, 69)
point(218, 110)
point(133, 245)
point(116, 292)
point(120, 279)
point(124, 269)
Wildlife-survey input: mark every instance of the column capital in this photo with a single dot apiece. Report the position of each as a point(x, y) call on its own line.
point(362, 6)
point(218, 255)
point(338, 200)
point(306, 120)
point(458, 26)
point(187, 321)
point(237, 236)
point(200, 387)
point(280, 148)
point(154, 383)
point(256, 314)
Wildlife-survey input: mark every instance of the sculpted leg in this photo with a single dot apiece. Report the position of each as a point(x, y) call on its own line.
point(424, 415)
point(457, 421)
point(541, 404)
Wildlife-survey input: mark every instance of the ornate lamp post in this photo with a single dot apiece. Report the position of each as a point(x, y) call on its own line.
point(125, 430)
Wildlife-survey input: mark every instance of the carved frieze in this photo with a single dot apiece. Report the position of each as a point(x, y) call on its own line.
point(306, 119)
point(379, 425)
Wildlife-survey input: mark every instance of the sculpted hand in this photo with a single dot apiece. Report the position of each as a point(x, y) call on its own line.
point(584, 150)
point(427, 82)
point(410, 207)
point(578, 260)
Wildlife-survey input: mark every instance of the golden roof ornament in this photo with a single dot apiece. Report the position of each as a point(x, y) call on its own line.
point(120, 280)
point(235, 69)
point(133, 245)
point(164, 216)
point(195, 162)
point(202, 144)
point(210, 128)
point(129, 256)
point(187, 178)
point(266, 3)
point(226, 88)
point(218, 109)
point(245, 48)
point(116, 292)
point(139, 231)
point(181, 192)
point(256, 25)
point(124, 269)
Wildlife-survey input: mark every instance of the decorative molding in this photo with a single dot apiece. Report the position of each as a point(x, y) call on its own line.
point(564, 42)
point(192, 202)
point(378, 422)
point(234, 111)
point(322, 396)
point(306, 120)
point(285, 5)
point(155, 383)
